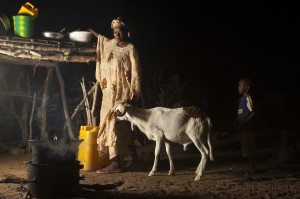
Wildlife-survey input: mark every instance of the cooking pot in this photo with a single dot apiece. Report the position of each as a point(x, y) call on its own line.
point(49, 181)
point(53, 35)
point(81, 36)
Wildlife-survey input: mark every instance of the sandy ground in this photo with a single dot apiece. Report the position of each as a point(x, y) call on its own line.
point(226, 177)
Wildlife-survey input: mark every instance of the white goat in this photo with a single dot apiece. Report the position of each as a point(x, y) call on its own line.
point(180, 125)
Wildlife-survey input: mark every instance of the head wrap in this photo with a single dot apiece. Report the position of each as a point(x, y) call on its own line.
point(119, 23)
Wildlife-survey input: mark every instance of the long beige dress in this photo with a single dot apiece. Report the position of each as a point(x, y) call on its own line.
point(117, 70)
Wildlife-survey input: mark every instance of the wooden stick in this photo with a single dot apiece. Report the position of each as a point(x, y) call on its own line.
point(31, 116)
point(94, 118)
point(87, 105)
point(24, 120)
point(64, 102)
point(99, 187)
point(46, 48)
point(44, 134)
point(54, 57)
point(25, 61)
point(80, 105)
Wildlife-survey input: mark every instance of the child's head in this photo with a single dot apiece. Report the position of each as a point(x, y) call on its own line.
point(244, 85)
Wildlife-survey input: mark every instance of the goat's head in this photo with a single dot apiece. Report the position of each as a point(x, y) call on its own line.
point(121, 110)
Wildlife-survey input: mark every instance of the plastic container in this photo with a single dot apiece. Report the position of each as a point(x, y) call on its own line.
point(23, 25)
point(88, 149)
point(28, 9)
point(89, 134)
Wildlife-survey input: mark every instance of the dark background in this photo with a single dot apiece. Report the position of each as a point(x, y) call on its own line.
point(209, 44)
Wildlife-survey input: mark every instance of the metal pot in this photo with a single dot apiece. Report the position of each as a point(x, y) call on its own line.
point(81, 36)
point(48, 181)
point(53, 35)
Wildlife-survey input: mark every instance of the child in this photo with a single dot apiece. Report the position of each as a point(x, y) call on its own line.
point(245, 121)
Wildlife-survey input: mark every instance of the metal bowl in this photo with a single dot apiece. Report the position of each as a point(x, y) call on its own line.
point(81, 36)
point(53, 35)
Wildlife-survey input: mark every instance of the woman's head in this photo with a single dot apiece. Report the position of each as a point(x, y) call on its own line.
point(120, 29)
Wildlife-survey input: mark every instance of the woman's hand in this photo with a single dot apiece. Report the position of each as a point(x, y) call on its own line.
point(94, 32)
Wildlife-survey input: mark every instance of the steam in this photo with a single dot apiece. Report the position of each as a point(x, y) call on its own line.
point(64, 149)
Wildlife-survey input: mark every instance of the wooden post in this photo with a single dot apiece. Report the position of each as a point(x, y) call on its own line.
point(64, 102)
point(31, 116)
point(44, 134)
point(87, 104)
point(94, 118)
point(80, 105)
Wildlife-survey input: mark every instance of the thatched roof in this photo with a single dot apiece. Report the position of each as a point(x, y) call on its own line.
point(44, 52)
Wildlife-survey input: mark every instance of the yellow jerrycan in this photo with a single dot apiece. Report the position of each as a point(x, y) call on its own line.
point(87, 151)
point(28, 9)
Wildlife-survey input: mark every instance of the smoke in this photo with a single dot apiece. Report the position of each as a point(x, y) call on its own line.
point(63, 149)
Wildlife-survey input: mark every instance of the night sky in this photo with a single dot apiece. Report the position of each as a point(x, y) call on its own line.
point(209, 44)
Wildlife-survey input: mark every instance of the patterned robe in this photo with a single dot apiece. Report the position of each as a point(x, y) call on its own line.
point(117, 70)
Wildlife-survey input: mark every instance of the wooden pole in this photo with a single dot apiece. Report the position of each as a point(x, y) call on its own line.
point(64, 102)
point(87, 104)
point(44, 134)
point(31, 116)
point(94, 118)
point(80, 105)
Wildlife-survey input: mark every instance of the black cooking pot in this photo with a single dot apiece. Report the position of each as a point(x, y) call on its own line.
point(49, 181)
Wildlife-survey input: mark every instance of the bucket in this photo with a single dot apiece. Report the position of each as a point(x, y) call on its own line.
point(28, 9)
point(23, 25)
point(88, 149)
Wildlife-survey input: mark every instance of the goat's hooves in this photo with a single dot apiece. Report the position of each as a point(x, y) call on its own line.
point(171, 173)
point(152, 173)
point(197, 178)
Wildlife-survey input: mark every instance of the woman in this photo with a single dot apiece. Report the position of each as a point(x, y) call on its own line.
point(117, 71)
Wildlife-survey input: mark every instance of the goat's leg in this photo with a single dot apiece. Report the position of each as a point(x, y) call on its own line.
point(156, 155)
point(169, 153)
point(201, 167)
point(203, 160)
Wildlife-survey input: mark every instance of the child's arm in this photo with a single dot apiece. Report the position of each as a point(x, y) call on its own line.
point(251, 109)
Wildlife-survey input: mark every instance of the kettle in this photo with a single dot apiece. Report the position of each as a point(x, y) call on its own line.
point(28, 9)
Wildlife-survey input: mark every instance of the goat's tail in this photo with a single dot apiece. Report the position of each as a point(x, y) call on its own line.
point(208, 138)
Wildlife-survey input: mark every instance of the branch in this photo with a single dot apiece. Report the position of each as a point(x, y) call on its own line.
point(87, 105)
point(31, 116)
point(81, 104)
point(64, 102)
point(44, 103)
point(94, 104)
